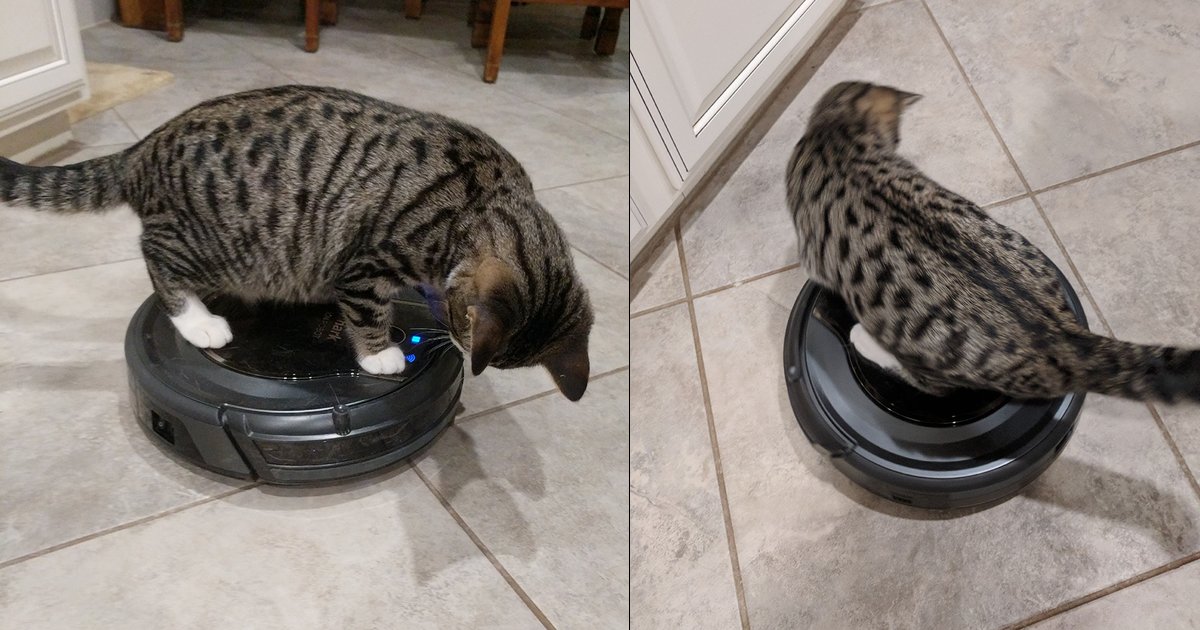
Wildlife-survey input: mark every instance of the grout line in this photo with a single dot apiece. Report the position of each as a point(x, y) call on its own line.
point(580, 183)
point(581, 122)
point(549, 392)
point(1179, 459)
point(660, 307)
point(48, 273)
point(1105, 171)
point(601, 263)
point(739, 283)
point(988, 206)
point(873, 6)
point(1075, 603)
point(128, 126)
point(128, 525)
point(512, 582)
point(724, 287)
point(735, 565)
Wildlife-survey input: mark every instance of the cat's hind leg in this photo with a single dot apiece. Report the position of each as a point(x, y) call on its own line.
point(366, 307)
point(869, 349)
point(170, 276)
point(925, 382)
point(200, 327)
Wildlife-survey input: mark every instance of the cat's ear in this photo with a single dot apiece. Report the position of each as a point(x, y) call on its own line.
point(907, 98)
point(491, 317)
point(570, 368)
point(487, 337)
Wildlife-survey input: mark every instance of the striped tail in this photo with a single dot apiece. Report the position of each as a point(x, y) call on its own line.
point(89, 186)
point(1141, 372)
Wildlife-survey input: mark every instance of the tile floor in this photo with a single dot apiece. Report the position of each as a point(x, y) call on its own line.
point(516, 517)
point(1075, 122)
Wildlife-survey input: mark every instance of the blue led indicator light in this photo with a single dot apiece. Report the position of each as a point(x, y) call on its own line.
point(411, 358)
point(415, 339)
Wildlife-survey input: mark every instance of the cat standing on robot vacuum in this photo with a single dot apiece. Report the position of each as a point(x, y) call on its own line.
point(958, 299)
point(300, 193)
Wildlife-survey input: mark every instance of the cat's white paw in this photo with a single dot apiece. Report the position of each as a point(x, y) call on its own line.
point(200, 327)
point(387, 361)
point(210, 332)
point(870, 349)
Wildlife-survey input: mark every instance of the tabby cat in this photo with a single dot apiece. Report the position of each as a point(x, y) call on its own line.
point(959, 299)
point(309, 194)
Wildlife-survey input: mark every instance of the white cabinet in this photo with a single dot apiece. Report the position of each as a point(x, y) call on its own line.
point(699, 71)
point(42, 71)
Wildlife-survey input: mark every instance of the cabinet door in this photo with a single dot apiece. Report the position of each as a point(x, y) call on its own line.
point(41, 59)
point(708, 63)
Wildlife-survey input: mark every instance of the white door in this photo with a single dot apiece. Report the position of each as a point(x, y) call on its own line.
point(41, 61)
point(700, 68)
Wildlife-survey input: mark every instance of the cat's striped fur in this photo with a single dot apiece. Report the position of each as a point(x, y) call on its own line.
point(309, 194)
point(959, 299)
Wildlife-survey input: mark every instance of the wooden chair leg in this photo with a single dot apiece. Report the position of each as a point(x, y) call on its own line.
point(472, 9)
point(610, 30)
point(412, 9)
point(174, 19)
point(312, 25)
point(591, 23)
point(496, 43)
point(329, 12)
point(482, 25)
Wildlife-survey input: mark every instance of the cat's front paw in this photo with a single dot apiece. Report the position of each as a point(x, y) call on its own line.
point(387, 361)
point(204, 331)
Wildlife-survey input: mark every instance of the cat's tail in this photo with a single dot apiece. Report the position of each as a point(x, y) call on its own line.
point(1140, 372)
point(89, 186)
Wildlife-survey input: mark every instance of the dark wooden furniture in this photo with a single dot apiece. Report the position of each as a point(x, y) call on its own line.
point(489, 20)
point(491, 26)
point(144, 14)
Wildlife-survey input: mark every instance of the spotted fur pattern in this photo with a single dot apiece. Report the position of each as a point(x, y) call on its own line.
point(959, 299)
point(310, 194)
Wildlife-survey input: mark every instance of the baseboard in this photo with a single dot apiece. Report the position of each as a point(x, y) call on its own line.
point(37, 139)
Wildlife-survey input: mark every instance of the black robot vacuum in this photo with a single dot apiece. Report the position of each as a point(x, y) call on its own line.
point(965, 449)
point(286, 402)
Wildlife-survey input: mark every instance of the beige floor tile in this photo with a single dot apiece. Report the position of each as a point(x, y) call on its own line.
point(746, 229)
point(105, 128)
point(74, 460)
point(679, 553)
point(817, 551)
point(658, 281)
point(545, 486)
point(1130, 233)
point(1165, 602)
point(595, 216)
point(1078, 86)
point(381, 553)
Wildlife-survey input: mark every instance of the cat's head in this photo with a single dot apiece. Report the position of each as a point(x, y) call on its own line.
point(501, 318)
point(866, 108)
